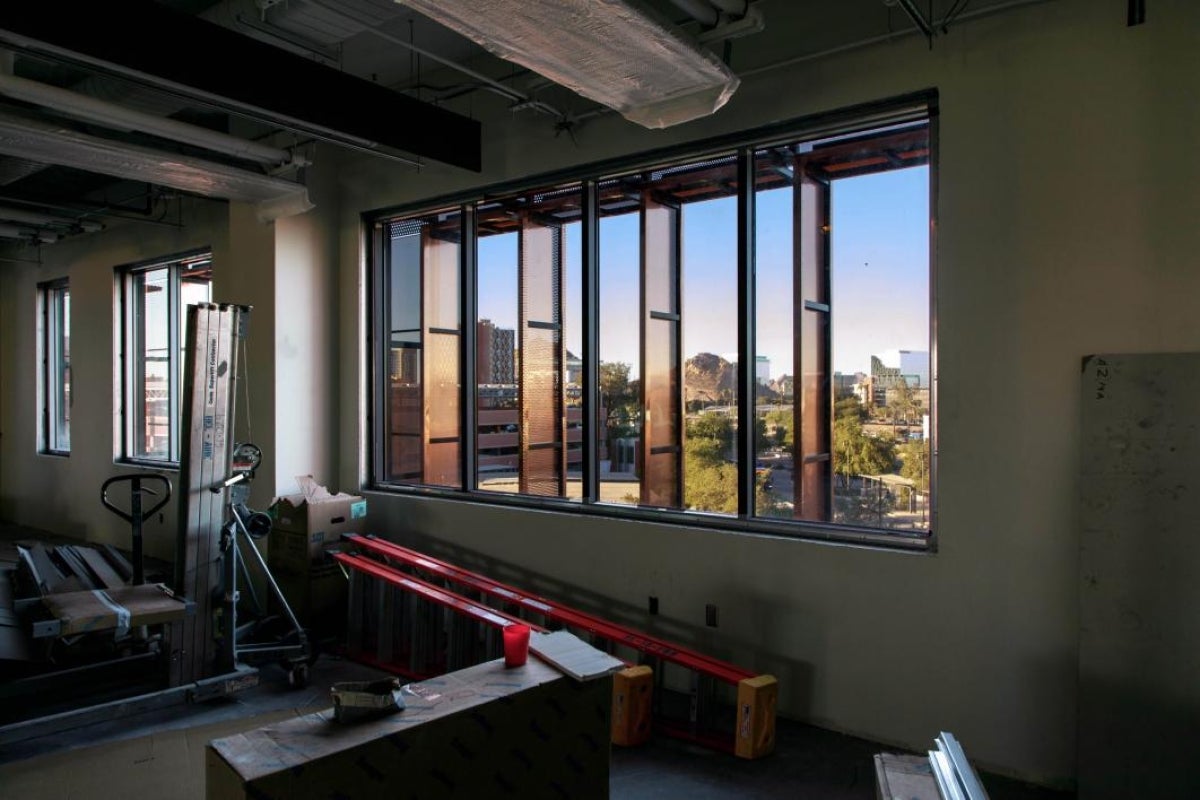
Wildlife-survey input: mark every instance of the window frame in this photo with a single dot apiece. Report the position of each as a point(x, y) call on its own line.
point(914, 107)
point(55, 324)
point(132, 340)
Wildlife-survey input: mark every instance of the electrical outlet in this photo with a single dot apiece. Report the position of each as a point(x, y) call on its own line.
point(710, 615)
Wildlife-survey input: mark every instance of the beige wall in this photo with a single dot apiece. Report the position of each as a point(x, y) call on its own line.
point(1067, 184)
point(285, 271)
point(1066, 188)
point(63, 494)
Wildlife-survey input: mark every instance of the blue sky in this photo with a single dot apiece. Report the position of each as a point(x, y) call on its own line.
point(880, 251)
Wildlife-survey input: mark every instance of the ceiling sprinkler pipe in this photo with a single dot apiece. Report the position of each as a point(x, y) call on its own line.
point(121, 118)
point(734, 8)
point(700, 10)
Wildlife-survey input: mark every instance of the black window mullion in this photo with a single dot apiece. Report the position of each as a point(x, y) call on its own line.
point(379, 342)
point(174, 294)
point(136, 409)
point(747, 356)
point(590, 238)
point(47, 438)
point(469, 299)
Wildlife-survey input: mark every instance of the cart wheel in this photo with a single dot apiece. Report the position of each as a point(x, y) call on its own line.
point(297, 675)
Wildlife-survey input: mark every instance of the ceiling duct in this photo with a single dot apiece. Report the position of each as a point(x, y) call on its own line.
point(608, 51)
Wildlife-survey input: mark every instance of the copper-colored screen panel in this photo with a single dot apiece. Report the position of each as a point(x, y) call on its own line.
point(815, 490)
point(442, 464)
point(542, 464)
point(441, 282)
point(814, 396)
point(813, 389)
point(813, 231)
point(441, 410)
point(539, 472)
point(661, 439)
point(441, 368)
point(405, 419)
point(660, 485)
point(661, 257)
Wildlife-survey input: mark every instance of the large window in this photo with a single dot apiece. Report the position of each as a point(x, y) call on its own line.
point(55, 346)
point(739, 338)
point(155, 298)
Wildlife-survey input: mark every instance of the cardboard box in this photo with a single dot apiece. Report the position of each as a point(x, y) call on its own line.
point(305, 524)
point(485, 731)
point(318, 599)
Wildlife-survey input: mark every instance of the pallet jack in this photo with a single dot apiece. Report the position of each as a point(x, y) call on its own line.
point(207, 653)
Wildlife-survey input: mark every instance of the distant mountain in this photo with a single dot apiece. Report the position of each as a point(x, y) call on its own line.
point(709, 379)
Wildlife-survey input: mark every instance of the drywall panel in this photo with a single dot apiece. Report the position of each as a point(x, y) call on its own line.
point(1139, 642)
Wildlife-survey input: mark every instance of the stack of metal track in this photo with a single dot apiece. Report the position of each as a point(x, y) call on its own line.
point(956, 778)
point(72, 568)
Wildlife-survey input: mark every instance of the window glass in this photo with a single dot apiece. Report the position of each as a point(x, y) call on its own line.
point(668, 336)
point(529, 430)
point(842, 316)
point(423, 424)
point(56, 367)
point(156, 298)
point(839, 327)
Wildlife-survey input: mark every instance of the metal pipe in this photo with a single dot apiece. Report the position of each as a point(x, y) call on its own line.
point(494, 85)
point(916, 16)
point(699, 10)
point(32, 218)
point(887, 37)
point(734, 8)
point(121, 118)
point(26, 234)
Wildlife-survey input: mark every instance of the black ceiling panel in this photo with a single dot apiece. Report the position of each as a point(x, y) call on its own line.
point(153, 43)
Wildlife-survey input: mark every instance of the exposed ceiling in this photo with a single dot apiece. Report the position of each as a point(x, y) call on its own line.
point(81, 142)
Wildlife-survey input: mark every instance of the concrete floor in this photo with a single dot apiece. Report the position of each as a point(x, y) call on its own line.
point(808, 762)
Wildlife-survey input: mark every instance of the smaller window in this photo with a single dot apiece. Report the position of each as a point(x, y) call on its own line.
point(55, 299)
point(155, 297)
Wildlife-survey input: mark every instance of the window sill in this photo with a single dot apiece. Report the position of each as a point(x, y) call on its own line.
point(147, 463)
point(828, 533)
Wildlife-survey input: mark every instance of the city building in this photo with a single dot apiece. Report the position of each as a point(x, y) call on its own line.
point(496, 349)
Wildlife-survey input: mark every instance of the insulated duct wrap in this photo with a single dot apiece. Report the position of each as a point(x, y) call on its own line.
point(606, 50)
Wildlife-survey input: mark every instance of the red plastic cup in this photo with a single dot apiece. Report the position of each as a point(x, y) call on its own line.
point(516, 645)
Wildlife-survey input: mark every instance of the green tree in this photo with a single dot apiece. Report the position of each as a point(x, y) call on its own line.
point(761, 442)
point(710, 481)
point(718, 427)
point(849, 406)
point(708, 486)
point(901, 404)
point(914, 463)
point(855, 453)
point(620, 397)
point(781, 421)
